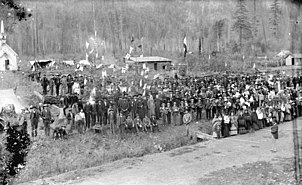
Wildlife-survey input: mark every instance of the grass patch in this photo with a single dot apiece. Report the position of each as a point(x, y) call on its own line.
point(48, 158)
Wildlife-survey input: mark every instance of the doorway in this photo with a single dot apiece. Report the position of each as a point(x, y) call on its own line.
point(293, 61)
point(155, 66)
point(6, 64)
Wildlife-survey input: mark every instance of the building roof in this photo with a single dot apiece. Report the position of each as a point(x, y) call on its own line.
point(299, 55)
point(294, 55)
point(6, 49)
point(148, 59)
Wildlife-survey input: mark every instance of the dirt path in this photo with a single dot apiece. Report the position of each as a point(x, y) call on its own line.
point(184, 165)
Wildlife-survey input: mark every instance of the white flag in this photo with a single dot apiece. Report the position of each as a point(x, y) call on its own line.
point(97, 55)
point(87, 45)
point(254, 66)
point(91, 51)
point(144, 66)
point(209, 57)
point(130, 50)
point(104, 74)
point(127, 56)
point(103, 58)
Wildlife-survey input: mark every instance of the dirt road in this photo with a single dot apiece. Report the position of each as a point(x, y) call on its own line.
point(184, 166)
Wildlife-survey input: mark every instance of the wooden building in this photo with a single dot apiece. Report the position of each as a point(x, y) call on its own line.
point(153, 62)
point(8, 57)
point(293, 60)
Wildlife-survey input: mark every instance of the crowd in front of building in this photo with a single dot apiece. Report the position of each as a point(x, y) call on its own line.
point(235, 103)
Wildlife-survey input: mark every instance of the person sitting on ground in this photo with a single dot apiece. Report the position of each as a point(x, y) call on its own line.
point(147, 124)
point(129, 126)
point(138, 123)
point(154, 123)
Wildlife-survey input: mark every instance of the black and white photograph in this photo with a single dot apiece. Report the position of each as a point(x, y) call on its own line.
point(150, 92)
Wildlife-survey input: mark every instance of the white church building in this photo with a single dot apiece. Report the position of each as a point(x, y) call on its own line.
point(8, 57)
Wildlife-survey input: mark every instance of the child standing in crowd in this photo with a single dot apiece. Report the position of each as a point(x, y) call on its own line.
point(217, 121)
point(187, 120)
point(275, 135)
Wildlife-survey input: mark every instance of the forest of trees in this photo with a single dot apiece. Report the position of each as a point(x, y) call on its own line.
point(60, 28)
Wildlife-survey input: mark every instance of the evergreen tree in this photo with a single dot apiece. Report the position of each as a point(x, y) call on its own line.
point(275, 17)
point(242, 24)
point(17, 145)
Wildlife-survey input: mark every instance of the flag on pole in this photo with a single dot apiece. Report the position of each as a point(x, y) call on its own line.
point(131, 49)
point(185, 47)
point(104, 74)
point(127, 56)
point(91, 51)
point(87, 45)
point(86, 57)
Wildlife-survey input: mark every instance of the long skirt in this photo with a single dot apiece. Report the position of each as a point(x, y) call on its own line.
point(260, 123)
point(233, 130)
point(225, 130)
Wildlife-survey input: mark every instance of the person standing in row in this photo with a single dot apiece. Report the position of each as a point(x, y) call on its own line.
point(57, 84)
point(34, 119)
point(187, 119)
point(46, 116)
point(44, 84)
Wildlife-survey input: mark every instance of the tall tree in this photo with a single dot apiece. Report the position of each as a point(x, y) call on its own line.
point(218, 28)
point(275, 17)
point(242, 24)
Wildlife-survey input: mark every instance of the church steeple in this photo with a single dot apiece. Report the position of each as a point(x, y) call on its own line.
point(2, 34)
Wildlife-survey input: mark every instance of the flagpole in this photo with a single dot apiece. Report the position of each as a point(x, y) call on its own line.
point(93, 10)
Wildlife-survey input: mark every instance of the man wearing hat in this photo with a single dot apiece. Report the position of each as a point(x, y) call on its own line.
point(70, 83)
point(46, 116)
point(23, 121)
point(58, 82)
point(34, 119)
point(187, 119)
point(44, 84)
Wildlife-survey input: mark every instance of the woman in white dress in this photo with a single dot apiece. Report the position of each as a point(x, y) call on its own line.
point(234, 124)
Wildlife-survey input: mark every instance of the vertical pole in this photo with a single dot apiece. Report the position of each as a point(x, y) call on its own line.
point(96, 50)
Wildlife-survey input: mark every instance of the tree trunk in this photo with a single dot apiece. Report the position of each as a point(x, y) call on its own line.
point(264, 35)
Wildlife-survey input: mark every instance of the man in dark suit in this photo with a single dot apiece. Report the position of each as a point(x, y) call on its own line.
point(87, 111)
point(94, 110)
point(44, 84)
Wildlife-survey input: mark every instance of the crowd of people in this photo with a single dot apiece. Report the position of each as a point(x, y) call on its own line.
point(235, 103)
